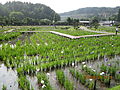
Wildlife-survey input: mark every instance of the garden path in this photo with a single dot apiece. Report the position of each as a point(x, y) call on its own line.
point(9, 31)
point(77, 37)
point(83, 36)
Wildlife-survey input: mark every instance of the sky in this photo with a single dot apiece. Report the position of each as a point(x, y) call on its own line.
point(61, 6)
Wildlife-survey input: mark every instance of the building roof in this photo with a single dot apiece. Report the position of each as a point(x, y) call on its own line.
point(84, 21)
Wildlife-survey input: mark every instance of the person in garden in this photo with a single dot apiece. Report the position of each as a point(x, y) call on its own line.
point(2, 26)
point(116, 30)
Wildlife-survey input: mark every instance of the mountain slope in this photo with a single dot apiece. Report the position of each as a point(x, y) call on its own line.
point(34, 11)
point(89, 12)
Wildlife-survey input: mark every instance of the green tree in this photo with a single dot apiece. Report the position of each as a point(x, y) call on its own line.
point(95, 22)
point(69, 21)
point(45, 22)
point(29, 21)
point(16, 15)
point(75, 23)
point(2, 21)
point(16, 18)
point(118, 18)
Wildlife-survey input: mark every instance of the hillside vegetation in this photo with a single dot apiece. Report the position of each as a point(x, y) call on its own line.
point(17, 13)
point(104, 12)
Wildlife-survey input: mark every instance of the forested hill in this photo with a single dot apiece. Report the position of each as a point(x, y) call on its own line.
point(19, 11)
point(89, 12)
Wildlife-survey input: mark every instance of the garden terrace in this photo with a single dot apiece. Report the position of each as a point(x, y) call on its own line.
point(110, 29)
point(70, 32)
point(45, 52)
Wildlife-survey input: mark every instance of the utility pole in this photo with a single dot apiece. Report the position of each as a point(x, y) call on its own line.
point(54, 20)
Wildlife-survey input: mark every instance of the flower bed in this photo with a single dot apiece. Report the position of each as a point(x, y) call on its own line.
point(63, 80)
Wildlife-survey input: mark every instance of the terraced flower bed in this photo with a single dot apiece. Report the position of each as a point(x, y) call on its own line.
point(42, 53)
point(43, 82)
point(8, 36)
point(3, 30)
point(106, 28)
point(77, 32)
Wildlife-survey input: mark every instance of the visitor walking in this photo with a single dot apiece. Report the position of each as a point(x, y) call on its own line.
point(116, 30)
point(2, 26)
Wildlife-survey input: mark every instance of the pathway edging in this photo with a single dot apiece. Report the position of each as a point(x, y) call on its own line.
point(77, 37)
